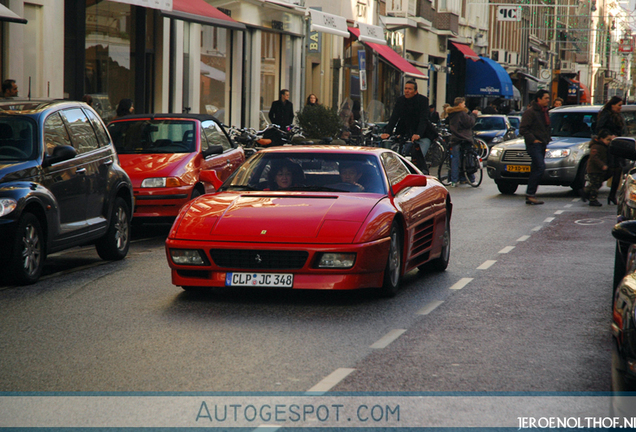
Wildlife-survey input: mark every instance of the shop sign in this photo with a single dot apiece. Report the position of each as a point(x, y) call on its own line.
point(625, 45)
point(508, 13)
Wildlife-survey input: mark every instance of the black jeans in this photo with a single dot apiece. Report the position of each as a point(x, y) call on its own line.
point(537, 155)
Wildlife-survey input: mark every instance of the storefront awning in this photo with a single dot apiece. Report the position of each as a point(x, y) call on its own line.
point(328, 23)
point(392, 57)
point(467, 51)
point(198, 11)
point(370, 33)
point(7, 14)
point(487, 78)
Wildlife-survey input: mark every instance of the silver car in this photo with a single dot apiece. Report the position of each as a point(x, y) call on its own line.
point(566, 155)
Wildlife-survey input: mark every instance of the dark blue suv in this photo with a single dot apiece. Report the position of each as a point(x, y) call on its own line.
point(60, 186)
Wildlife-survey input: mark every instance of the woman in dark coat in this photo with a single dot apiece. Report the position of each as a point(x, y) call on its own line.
point(610, 118)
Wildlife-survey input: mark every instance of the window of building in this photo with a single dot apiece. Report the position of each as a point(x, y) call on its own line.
point(214, 68)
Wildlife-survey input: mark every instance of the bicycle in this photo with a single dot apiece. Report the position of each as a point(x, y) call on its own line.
point(470, 166)
point(434, 156)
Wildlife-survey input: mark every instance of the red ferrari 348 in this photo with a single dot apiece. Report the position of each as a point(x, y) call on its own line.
point(316, 217)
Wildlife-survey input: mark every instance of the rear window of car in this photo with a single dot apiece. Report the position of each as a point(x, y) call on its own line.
point(153, 136)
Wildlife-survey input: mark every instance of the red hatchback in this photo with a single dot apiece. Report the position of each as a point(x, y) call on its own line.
point(165, 154)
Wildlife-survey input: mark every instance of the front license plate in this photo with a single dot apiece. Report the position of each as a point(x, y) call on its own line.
point(274, 280)
point(518, 168)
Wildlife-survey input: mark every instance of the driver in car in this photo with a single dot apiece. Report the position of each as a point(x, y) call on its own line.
point(351, 173)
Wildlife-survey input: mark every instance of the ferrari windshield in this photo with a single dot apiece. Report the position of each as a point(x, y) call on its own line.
point(329, 172)
point(17, 138)
point(153, 136)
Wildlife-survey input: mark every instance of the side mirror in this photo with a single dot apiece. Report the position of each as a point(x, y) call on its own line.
point(623, 147)
point(625, 231)
point(215, 149)
point(60, 154)
point(411, 180)
point(211, 177)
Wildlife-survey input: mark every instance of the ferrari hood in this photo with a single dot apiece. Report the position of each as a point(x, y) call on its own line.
point(276, 217)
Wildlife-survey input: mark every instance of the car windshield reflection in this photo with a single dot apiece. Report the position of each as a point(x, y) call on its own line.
point(17, 139)
point(315, 172)
point(153, 136)
point(572, 124)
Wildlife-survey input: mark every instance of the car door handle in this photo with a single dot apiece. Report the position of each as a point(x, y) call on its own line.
point(80, 171)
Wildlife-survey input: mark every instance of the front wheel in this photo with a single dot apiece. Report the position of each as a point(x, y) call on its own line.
point(114, 245)
point(441, 263)
point(435, 154)
point(474, 179)
point(481, 148)
point(393, 270)
point(444, 171)
point(506, 187)
point(27, 260)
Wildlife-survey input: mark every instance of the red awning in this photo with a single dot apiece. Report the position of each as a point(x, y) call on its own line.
point(198, 11)
point(392, 57)
point(585, 97)
point(467, 51)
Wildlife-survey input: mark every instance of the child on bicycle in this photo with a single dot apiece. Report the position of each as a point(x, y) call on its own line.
point(461, 124)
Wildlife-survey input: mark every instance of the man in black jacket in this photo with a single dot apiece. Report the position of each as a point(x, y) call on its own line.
point(410, 118)
point(535, 129)
point(282, 111)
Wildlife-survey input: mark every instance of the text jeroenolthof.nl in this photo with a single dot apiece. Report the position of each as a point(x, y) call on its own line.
point(576, 422)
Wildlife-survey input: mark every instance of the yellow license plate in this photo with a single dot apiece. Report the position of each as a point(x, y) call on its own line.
point(518, 168)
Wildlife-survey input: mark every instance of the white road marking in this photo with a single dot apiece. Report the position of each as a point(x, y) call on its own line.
point(567, 205)
point(388, 338)
point(548, 220)
point(429, 307)
point(486, 265)
point(523, 238)
point(331, 380)
point(536, 228)
point(461, 283)
point(576, 200)
point(506, 249)
point(559, 212)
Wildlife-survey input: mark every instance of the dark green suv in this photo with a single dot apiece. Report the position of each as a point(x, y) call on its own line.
point(60, 186)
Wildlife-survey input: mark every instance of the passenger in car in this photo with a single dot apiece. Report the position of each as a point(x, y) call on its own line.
point(285, 174)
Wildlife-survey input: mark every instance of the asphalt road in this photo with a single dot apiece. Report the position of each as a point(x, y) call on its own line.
point(524, 305)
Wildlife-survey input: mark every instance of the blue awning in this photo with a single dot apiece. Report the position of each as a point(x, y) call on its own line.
point(487, 78)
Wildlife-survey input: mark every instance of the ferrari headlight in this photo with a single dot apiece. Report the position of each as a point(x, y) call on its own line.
point(557, 153)
point(497, 140)
point(158, 182)
point(7, 205)
point(337, 260)
point(188, 257)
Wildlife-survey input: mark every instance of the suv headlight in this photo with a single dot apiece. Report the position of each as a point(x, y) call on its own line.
point(158, 182)
point(495, 152)
point(557, 153)
point(7, 205)
point(497, 139)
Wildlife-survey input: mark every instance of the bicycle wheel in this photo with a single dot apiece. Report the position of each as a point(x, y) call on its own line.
point(435, 154)
point(444, 170)
point(475, 178)
point(481, 148)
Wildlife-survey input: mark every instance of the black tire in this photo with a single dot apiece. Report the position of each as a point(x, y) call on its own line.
point(393, 269)
point(443, 172)
point(579, 180)
point(114, 245)
point(478, 175)
point(506, 187)
point(28, 252)
point(435, 155)
point(441, 263)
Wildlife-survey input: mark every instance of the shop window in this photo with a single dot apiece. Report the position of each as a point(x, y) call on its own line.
point(109, 73)
point(270, 69)
point(214, 67)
